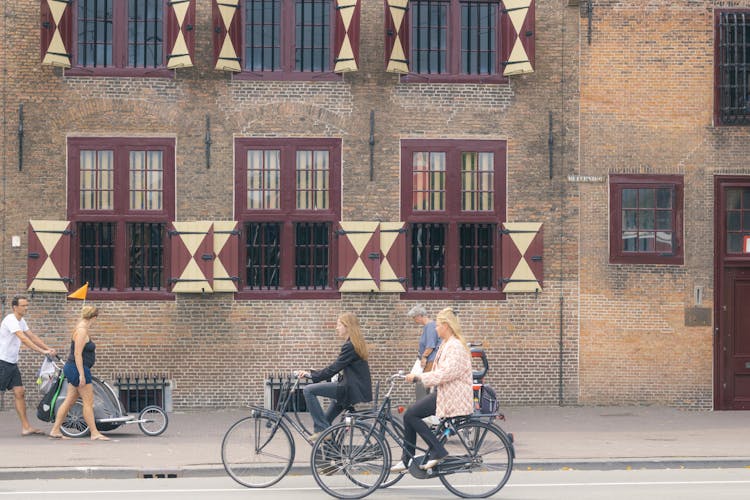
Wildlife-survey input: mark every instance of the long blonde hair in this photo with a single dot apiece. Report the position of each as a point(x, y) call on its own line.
point(448, 317)
point(350, 321)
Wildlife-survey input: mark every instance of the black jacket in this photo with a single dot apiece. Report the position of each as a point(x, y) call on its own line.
point(354, 386)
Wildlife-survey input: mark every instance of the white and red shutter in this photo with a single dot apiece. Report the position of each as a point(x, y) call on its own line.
point(226, 249)
point(517, 27)
point(347, 35)
point(192, 256)
point(393, 250)
point(48, 260)
point(522, 257)
point(227, 23)
point(180, 33)
point(56, 32)
point(358, 256)
point(396, 36)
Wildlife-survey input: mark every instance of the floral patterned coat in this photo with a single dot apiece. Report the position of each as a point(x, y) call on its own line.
point(451, 375)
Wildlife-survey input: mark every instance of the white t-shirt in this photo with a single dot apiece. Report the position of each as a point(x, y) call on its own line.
point(10, 344)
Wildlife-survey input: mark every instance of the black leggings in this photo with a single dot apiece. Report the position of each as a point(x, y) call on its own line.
point(414, 425)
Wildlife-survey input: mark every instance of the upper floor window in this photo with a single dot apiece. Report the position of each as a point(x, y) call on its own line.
point(738, 219)
point(732, 92)
point(118, 37)
point(453, 200)
point(646, 219)
point(120, 200)
point(286, 39)
point(287, 202)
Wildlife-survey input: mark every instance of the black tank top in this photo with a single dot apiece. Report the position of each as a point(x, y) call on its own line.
point(89, 353)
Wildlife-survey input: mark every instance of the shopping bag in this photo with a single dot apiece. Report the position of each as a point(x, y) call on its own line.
point(417, 368)
point(47, 375)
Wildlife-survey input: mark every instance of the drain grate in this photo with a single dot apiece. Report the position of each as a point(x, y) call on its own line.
point(160, 474)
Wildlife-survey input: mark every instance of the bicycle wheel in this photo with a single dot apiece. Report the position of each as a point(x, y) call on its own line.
point(394, 451)
point(481, 460)
point(156, 420)
point(349, 460)
point(257, 451)
point(74, 425)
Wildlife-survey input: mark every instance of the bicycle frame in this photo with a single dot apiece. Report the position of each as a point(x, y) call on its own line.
point(282, 413)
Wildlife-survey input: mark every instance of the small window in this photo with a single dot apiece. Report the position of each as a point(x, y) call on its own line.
point(121, 198)
point(454, 202)
point(288, 204)
point(646, 219)
point(738, 218)
point(732, 46)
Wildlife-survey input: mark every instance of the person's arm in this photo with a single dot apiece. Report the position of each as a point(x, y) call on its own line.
point(27, 339)
point(35, 339)
point(425, 355)
point(347, 356)
point(448, 367)
point(80, 338)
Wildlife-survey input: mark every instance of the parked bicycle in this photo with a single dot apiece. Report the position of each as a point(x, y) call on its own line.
point(258, 450)
point(352, 459)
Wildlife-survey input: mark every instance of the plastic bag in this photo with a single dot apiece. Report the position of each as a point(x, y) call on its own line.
point(47, 375)
point(417, 368)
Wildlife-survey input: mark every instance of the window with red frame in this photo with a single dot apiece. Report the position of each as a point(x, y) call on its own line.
point(732, 56)
point(453, 200)
point(120, 200)
point(287, 201)
point(646, 219)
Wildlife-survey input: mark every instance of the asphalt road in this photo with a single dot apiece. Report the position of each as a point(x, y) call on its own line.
point(683, 484)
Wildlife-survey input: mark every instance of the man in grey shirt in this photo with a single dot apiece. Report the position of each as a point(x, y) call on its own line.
point(428, 343)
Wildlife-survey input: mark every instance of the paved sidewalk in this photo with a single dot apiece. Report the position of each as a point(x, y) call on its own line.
point(546, 438)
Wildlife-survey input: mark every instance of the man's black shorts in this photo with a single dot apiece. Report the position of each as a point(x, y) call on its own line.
point(10, 376)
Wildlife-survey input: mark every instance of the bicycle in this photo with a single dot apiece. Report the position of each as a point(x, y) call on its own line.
point(479, 463)
point(258, 450)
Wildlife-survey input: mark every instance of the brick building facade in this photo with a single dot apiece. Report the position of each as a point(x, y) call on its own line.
point(632, 101)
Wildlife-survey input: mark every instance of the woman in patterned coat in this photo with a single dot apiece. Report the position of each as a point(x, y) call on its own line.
point(451, 375)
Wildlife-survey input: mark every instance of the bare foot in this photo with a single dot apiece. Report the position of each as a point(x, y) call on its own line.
point(58, 436)
point(100, 437)
point(31, 431)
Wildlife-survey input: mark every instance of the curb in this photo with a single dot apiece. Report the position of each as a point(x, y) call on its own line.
point(25, 473)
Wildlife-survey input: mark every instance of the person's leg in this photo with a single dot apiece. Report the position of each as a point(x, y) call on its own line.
point(311, 393)
point(19, 397)
point(413, 424)
point(70, 398)
point(87, 397)
point(420, 391)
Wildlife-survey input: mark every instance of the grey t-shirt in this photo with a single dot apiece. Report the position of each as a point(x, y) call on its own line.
point(429, 339)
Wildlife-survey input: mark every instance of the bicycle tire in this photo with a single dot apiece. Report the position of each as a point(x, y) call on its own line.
point(156, 420)
point(74, 426)
point(394, 448)
point(257, 451)
point(349, 460)
point(488, 460)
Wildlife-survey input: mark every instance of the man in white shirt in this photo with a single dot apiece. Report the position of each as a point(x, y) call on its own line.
point(13, 332)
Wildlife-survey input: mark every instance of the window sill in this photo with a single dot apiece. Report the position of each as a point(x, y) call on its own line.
point(445, 78)
point(287, 295)
point(293, 76)
point(81, 71)
point(676, 260)
point(129, 295)
point(452, 295)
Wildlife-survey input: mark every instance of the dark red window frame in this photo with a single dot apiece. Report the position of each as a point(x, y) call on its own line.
point(453, 59)
point(120, 46)
point(288, 214)
point(617, 183)
point(121, 213)
point(723, 90)
point(287, 72)
point(453, 216)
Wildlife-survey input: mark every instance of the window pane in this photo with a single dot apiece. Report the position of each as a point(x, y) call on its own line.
point(646, 219)
point(733, 67)
point(312, 180)
point(477, 182)
point(646, 198)
point(95, 33)
point(145, 39)
point(429, 36)
point(734, 221)
point(645, 241)
point(96, 188)
point(263, 245)
point(629, 239)
point(311, 245)
point(428, 191)
point(663, 198)
point(478, 35)
point(263, 175)
point(145, 255)
point(146, 180)
point(664, 242)
point(263, 35)
point(476, 247)
point(428, 256)
point(663, 219)
point(734, 199)
point(629, 198)
point(97, 254)
point(629, 219)
point(734, 242)
point(312, 35)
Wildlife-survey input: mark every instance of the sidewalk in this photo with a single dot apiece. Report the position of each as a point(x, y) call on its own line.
point(545, 438)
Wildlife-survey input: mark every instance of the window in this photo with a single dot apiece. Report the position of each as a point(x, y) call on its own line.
point(453, 200)
point(646, 219)
point(732, 101)
point(287, 202)
point(738, 219)
point(120, 200)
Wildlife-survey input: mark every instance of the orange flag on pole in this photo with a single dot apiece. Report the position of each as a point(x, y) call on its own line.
point(80, 293)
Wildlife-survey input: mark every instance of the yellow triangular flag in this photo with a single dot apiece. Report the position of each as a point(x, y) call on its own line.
point(80, 293)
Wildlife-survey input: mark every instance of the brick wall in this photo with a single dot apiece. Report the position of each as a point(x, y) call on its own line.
point(216, 349)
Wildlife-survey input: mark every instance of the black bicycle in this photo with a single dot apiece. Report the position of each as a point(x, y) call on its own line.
point(352, 459)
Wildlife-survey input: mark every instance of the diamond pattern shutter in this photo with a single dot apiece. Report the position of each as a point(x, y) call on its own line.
point(359, 256)
point(56, 32)
point(347, 35)
point(226, 249)
point(192, 255)
point(227, 23)
point(48, 263)
point(517, 27)
point(181, 33)
point(522, 265)
point(396, 36)
point(393, 249)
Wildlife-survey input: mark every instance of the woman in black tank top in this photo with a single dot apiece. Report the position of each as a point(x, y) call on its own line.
point(77, 370)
